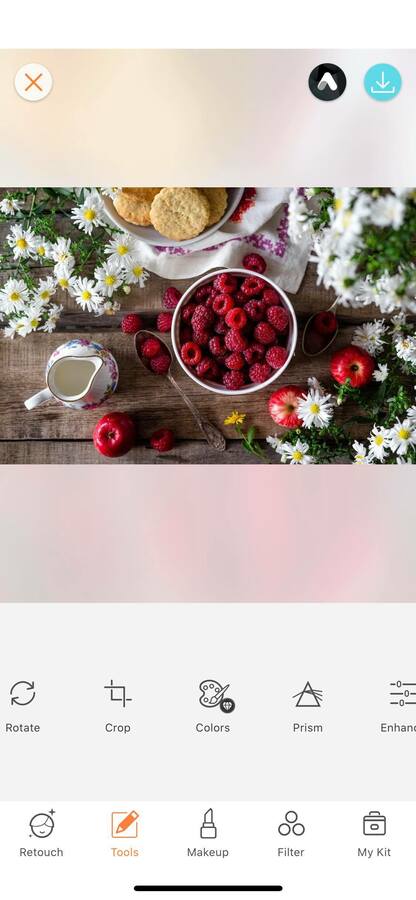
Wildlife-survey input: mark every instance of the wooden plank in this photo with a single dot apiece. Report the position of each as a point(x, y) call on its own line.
point(83, 452)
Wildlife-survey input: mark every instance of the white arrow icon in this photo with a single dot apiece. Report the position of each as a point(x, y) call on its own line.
point(383, 85)
point(327, 80)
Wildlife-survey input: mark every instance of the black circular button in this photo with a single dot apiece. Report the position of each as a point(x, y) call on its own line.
point(327, 81)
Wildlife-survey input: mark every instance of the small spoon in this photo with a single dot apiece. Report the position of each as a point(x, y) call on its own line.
point(308, 328)
point(211, 433)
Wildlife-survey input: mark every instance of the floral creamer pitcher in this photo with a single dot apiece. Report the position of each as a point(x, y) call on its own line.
point(80, 374)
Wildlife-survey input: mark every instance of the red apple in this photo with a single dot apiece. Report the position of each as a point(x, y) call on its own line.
point(114, 434)
point(283, 405)
point(352, 363)
point(325, 323)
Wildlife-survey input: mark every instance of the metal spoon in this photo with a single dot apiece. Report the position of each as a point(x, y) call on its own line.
point(211, 433)
point(308, 327)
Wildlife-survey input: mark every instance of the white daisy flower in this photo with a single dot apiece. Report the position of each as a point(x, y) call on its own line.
point(360, 454)
point(402, 436)
point(13, 295)
point(64, 277)
point(343, 275)
point(110, 307)
point(369, 336)
point(405, 347)
point(87, 296)
point(134, 272)
point(275, 443)
point(22, 241)
point(61, 252)
point(43, 248)
point(380, 374)
point(9, 206)
point(110, 192)
point(122, 248)
point(379, 442)
point(297, 454)
point(411, 415)
point(298, 216)
point(397, 321)
point(54, 313)
point(108, 277)
point(46, 290)
point(388, 211)
point(12, 328)
point(315, 409)
point(90, 214)
point(31, 320)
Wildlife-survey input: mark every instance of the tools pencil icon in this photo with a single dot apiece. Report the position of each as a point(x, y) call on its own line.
point(208, 828)
point(124, 825)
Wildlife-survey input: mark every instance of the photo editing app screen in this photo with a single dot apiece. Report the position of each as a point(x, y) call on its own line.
point(207, 440)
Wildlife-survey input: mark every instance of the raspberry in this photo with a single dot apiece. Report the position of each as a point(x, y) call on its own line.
point(252, 286)
point(201, 336)
point(234, 340)
point(202, 317)
point(171, 297)
point(259, 372)
point(276, 357)
point(254, 353)
point(225, 283)
point(278, 317)
point(271, 297)
point(222, 304)
point(234, 360)
point(203, 291)
point(164, 321)
point(255, 309)
point(162, 440)
point(207, 368)
point(233, 381)
point(236, 318)
point(264, 333)
point(220, 326)
point(185, 334)
point(188, 310)
point(160, 364)
point(150, 348)
point(255, 263)
point(191, 353)
point(216, 346)
point(131, 323)
point(239, 298)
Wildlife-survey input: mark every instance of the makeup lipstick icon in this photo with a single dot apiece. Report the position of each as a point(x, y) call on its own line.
point(208, 828)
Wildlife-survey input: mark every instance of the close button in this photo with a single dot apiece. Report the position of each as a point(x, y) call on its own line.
point(33, 82)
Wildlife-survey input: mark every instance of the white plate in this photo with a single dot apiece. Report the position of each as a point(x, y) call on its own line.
point(151, 236)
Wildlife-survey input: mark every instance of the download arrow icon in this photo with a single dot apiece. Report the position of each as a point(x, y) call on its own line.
point(382, 84)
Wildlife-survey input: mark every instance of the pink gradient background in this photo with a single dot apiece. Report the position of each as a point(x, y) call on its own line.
point(214, 533)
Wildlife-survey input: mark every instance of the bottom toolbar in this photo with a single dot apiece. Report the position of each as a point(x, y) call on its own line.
point(113, 849)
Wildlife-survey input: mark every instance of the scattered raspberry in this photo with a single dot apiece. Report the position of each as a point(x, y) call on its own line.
point(255, 309)
point(235, 360)
point(164, 321)
point(248, 200)
point(171, 297)
point(271, 297)
point(150, 348)
point(191, 353)
point(222, 304)
point(216, 346)
point(236, 318)
point(207, 368)
point(131, 323)
point(225, 283)
point(252, 286)
point(264, 333)
point(188, 311)
point(233, 381)
point(220, 326)
point(278, 317)
point(160, 364)
point(203, 291)
point(254, 353)
point(202, 317)
point(255, 263)
point(259, 372)
point(234, 340)
point(162, 440)
point(276, 357)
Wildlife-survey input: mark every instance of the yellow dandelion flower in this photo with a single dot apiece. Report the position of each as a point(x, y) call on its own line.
point(236, 418)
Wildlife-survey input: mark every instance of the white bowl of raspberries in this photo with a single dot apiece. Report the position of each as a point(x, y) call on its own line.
point(234, 331)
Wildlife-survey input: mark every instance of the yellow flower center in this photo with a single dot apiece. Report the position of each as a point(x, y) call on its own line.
point(137, 271)
point(89, 215)
point(379, 440)
point(86, 295)
point(15, 297)
point(34, 323)
point(297, 455)
point(122, 249)
point(338, 204)
point(404, 434)
point(21, 243)
point(314, 408)
point(63, 283)
point(44, 295)
point(110, 280)
point(41, 251)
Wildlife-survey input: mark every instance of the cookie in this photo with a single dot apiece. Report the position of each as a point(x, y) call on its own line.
point(217, 199)
point(133, 204)
point(180, 213)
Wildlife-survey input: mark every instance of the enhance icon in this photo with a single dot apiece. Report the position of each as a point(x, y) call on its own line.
point(213, 694)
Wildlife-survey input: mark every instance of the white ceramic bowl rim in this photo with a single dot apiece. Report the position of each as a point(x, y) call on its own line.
point(211, 385)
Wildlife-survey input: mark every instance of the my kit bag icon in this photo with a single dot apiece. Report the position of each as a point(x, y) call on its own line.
point(374, 823)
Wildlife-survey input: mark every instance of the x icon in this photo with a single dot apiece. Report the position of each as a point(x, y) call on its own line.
point(33, 82)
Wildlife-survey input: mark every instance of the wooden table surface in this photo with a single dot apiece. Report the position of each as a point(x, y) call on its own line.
point(55, 434)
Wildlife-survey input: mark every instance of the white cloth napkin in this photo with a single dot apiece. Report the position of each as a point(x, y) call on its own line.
point(259, 225)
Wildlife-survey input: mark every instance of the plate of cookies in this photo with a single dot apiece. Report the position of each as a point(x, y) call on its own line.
point(172, 216)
